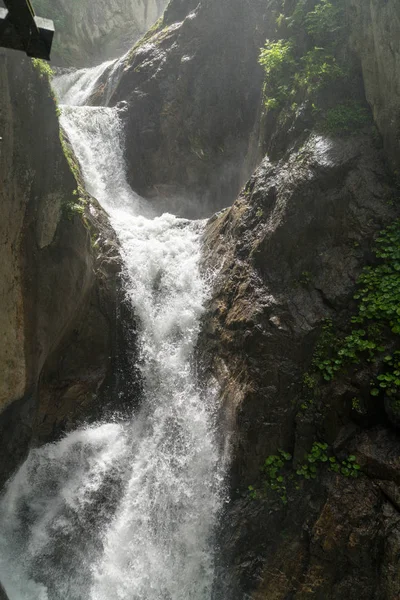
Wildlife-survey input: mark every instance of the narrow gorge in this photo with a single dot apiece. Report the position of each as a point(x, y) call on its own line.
point(200, 303)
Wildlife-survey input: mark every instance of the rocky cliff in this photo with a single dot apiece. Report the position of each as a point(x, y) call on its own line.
point(291, 249)
point(376, 38)
point(192, 88)
point(58, 273)
point(89, 32)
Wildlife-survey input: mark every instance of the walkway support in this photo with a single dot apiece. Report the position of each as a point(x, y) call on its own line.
point(21, 29)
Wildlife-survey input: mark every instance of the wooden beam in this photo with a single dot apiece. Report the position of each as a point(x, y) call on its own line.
point(20, 29)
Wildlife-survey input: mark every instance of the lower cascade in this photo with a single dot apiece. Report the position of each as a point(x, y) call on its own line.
point(126, 509)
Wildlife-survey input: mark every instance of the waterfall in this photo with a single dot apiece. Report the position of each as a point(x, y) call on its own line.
point(126, 510)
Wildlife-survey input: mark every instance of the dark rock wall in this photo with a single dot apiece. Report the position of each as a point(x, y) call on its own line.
point(193, 95)
point(58, 293)
point(376, 38)
point(314, 212)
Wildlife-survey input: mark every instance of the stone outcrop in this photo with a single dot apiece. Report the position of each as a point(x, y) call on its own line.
point(59, 274)
point(88, 32)
point(313, 212)
point(192, 88)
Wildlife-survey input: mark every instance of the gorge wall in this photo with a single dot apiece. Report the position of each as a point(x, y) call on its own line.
point(290, 251)
point(192, 88)
point(89, 33)
point(376, 39)
point(58, 273)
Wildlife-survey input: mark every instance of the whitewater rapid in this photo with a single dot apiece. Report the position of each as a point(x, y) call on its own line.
point(126, 510)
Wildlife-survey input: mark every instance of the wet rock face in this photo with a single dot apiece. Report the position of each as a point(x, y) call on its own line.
point(376, 38)
point(193, 93)
point(58, 293)
point(289, 252)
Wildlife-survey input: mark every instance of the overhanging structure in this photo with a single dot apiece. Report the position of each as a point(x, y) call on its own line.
point(21, 29)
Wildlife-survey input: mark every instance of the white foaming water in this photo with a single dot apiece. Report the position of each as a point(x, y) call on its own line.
point(75, 88)
point(126, 511)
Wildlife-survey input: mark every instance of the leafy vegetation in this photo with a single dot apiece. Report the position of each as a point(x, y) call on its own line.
point(319, 68)
point(345, 118)
point(43, 67)
point(279, 68)
point(320, 453)
point(326, 18)
point(274, 478)
point(308, 59)
point(378, 315)
point(278, 471)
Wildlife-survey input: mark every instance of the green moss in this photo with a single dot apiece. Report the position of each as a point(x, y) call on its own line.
point(156, 28)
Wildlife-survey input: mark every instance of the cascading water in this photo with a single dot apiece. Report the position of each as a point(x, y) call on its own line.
point(126, 510)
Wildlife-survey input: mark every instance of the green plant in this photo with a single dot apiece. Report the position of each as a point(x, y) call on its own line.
point(297, 66)
point(319, 68)
point(259, 213)
point(280, 19)
point(297, 19)
point(305, 278)
point(277, 60)
point(327, 344)
point(389, 381)
point(320, 453)
point(346, 118)
point(274, 479)
point(43, 68)
point(277, 477)
point(358, 406)
point(309, 381)
point(378, 298)
point(326, 18)
point(347, 467)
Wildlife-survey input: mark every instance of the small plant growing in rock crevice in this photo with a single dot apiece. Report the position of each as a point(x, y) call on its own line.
point(273, 476)
point(376, 321)
point(278, 471)
point(345, 118)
